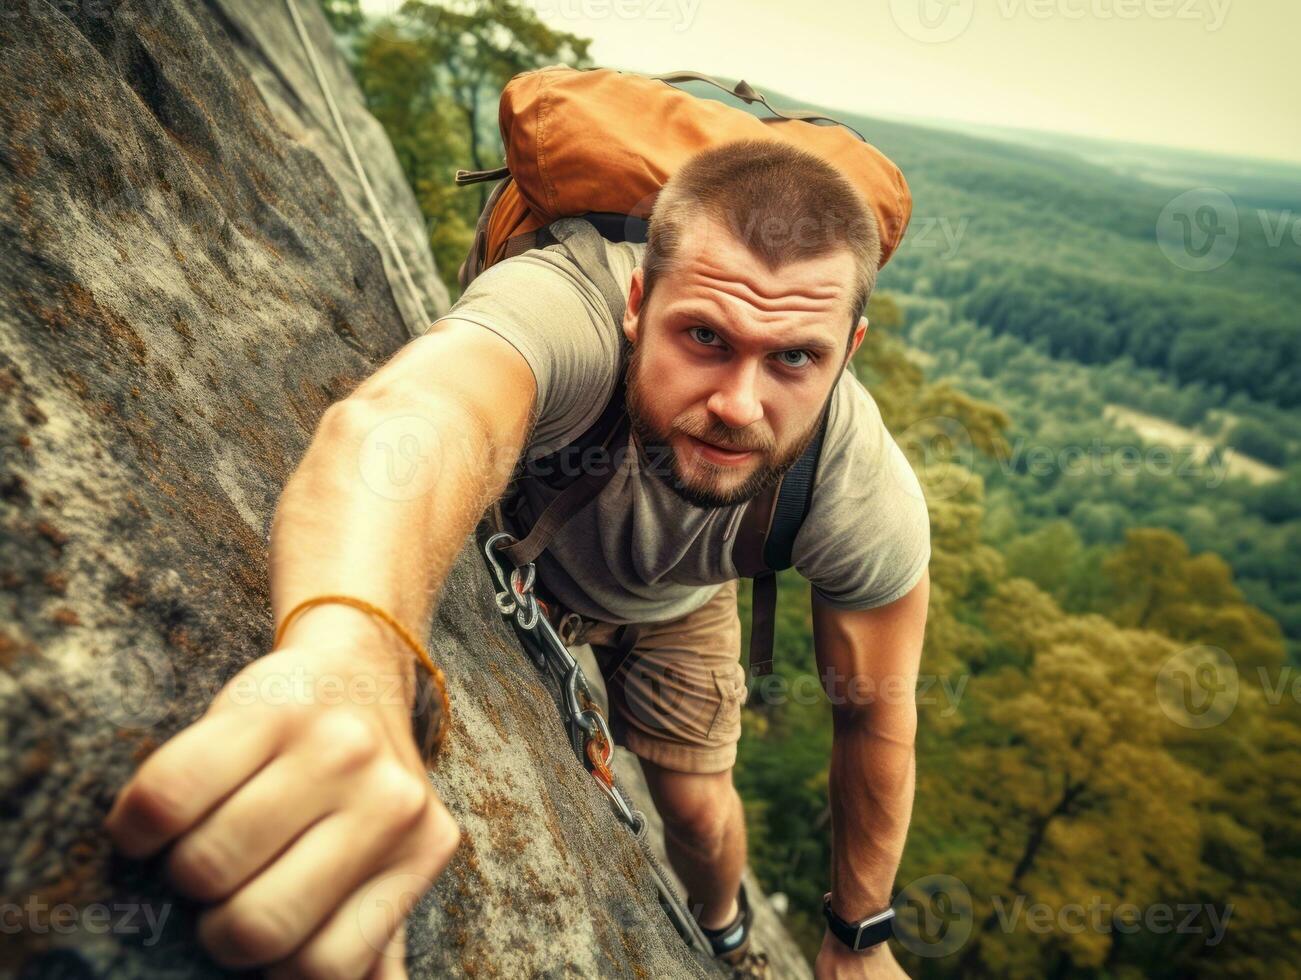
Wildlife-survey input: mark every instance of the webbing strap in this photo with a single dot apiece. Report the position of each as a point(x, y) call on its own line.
point(763, 623)
point(745, 93)
point(569, 501)
point(578, 240)
point(793, 502)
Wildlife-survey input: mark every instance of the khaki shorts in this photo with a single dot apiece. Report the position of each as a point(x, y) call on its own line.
point(676, 696)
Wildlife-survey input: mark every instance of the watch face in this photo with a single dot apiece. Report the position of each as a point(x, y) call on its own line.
point(875, 929)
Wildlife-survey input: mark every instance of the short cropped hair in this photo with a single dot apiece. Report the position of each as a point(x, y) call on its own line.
point(782, 203)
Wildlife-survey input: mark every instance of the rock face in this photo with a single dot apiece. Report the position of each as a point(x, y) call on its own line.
point(191, 271)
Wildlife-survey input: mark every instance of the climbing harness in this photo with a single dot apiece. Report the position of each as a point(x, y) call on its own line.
point(588, 732)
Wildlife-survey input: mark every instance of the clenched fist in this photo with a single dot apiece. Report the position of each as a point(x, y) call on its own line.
point(299, 807)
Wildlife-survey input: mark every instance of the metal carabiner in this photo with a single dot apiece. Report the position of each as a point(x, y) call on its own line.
point(578, 712)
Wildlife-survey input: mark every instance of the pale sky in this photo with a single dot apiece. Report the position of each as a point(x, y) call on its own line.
point(1217, 75)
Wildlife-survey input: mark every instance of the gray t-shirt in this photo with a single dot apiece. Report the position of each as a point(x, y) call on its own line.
point(641, 554)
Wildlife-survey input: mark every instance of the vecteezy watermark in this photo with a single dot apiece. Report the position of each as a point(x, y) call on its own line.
point(932, 21)
point(1198, 231)
point(395, 20)
point(63, 918)
point(671, 694)
point(1288, 683)
point(933, 915)
point(842, 690)
point(134, 688)
point(1210, 13)
point(931, 233)
point(681, 14)
point(401, 458)
point(383, 911)
point(1278, 226)
point(1097, 915)
point(300, 686)
point(73, 9)
point(937, 21)
point(1102, 459)
point(942, 455)
point(1198, 687)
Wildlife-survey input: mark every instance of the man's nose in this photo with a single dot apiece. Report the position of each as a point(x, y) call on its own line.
point(736, 400)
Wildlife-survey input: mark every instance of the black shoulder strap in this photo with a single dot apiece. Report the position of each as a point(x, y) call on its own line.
point(765, 542)
point(609, 431)
point(793, 503)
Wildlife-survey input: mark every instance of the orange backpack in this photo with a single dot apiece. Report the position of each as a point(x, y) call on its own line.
point(578, 142)
point(579, 145)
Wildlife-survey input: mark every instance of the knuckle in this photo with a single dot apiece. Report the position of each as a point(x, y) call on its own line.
point(200, 868)
point(405, 795)
point(344, 741)
point(444, 837)
point(251, 936)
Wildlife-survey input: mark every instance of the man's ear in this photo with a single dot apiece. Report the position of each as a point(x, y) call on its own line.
point(860, 332)
point(632, 311)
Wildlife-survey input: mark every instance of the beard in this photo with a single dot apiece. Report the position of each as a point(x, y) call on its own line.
point(712, 488)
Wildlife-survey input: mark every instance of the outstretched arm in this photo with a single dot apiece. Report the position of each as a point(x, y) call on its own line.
point(298, 806)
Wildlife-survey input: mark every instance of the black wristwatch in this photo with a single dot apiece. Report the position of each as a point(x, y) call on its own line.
point(863, 934)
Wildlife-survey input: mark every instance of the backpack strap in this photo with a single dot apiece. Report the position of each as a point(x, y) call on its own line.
point(610, 430)
point(765, 542)
point(743, 91)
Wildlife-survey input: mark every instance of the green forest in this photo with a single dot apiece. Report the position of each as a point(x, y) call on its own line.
point(1109, 747)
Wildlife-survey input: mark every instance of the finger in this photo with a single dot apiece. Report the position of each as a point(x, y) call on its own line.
point(185, 778)
point(272, 915)
point(259, 820)
point(363, 926)
point(392, 964)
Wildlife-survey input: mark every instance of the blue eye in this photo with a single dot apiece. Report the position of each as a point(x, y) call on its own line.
point(708, 335)
point(800, 353)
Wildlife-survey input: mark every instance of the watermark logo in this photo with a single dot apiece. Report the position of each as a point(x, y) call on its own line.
point(933, 916)
point(382, 915)
point(681, 14)
point(1198, 230)
point(399, 20)
point(942, 455)
point(932, 21)
point(1210, 13)
point(937, 234)
point(1198, 687)
point(35, 916)
point(134, 688)
point(401, 458)
point(1101, 459)
point(1097, 915)
point(937, 21)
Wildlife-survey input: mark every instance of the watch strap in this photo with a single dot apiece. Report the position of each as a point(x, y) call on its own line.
point(863, 934)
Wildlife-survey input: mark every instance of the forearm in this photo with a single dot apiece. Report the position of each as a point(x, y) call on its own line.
point(872, 781)
point(378, 509)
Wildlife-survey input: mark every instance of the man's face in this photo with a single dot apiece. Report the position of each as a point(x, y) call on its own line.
point(732, 363)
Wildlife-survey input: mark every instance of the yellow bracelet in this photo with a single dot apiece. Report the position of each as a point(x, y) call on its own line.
point(421, 654)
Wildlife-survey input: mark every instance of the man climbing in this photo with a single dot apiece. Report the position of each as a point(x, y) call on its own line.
point(741, 312)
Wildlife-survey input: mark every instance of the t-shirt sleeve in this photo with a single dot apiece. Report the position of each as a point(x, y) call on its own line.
point(866, 540)
point(554, 316)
